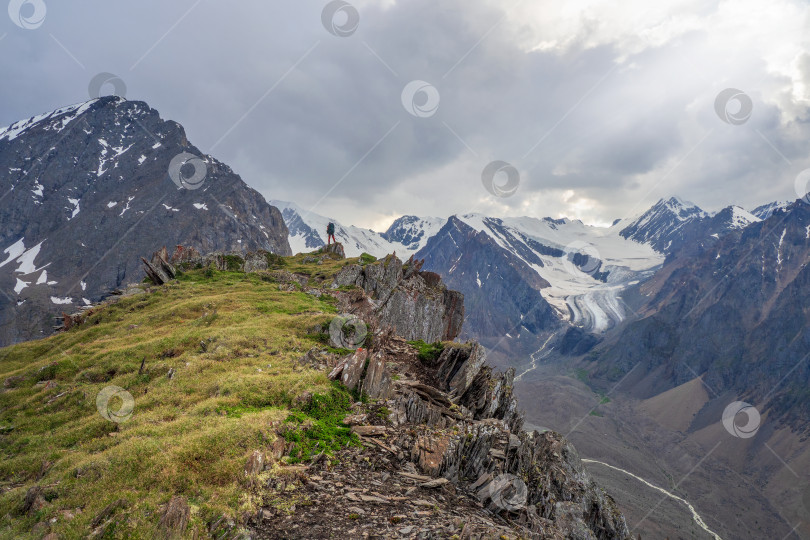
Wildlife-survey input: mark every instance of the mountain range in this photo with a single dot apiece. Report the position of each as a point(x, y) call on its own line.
point(545, 278)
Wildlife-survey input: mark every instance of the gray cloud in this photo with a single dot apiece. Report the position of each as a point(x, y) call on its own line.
point(599, 129)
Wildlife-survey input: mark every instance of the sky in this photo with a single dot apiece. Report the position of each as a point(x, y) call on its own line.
point(369, 110)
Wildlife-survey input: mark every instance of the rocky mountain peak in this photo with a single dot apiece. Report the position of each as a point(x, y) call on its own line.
point(412, 231)
point(662, 225)
point(92, 186)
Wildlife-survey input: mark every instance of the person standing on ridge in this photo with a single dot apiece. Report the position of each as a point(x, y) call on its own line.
point(330, 234)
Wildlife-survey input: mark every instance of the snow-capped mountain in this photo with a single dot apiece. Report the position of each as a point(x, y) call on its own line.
point(766, 210)
point(673, 223)
point(662, 225)
point(308, 232)
point(731, 218)
point(87, 191)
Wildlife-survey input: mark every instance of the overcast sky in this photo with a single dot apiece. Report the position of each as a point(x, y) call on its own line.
point(601, 107)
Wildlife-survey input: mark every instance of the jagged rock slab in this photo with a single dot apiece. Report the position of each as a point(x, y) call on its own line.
point(407, 300)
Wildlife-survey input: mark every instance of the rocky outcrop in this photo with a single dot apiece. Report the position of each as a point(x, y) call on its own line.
point(335, 249)
point(162, 268)
point(456, 420)
point(414, 304)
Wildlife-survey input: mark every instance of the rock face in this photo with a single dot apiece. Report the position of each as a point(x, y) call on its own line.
point(88, 190)
point(415, 304)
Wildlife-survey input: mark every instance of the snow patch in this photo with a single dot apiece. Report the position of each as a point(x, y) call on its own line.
point(14, 250)
point(200, 206)
point(76, 209)
point(21, 285)
point(24, 257)
point(61, 301)
point(129, 200)
point(779, 250)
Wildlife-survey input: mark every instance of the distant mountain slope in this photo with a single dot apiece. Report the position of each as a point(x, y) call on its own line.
point(504, 304)
point(661, 226)
point(87, 191)
point(766, 210)
point(672, 224)
point(733, 310)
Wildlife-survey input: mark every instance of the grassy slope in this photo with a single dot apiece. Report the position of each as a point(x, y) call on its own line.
point(190, 435)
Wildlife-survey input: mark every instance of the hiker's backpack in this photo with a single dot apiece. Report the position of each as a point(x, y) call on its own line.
point(330, 229)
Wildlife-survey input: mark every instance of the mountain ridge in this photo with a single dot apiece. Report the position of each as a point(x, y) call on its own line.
point(248, 409)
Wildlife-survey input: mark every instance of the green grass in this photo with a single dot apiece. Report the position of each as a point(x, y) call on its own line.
point(428, 352)
point(232, 340)
point(318, 426)
point(365, 258)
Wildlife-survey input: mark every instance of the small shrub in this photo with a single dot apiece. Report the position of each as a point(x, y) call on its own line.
point(274, 260)
point(233, 263)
